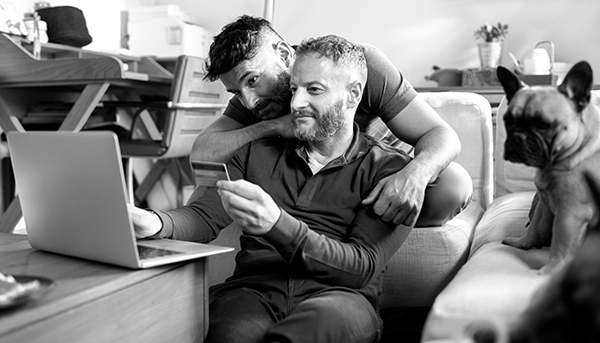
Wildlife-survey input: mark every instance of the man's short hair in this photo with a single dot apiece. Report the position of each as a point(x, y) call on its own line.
point(238, 41)
point(341, 51)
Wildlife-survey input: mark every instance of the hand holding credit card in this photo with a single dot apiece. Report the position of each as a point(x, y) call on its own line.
point(208, 173)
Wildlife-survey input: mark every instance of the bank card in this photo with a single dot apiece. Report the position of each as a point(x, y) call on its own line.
point(208, 173)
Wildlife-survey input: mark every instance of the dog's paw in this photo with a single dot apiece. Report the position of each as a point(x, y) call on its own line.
point(517, 242)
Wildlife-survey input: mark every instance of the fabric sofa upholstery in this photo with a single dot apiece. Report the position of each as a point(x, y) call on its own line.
point(497, 281)
point(430, 256)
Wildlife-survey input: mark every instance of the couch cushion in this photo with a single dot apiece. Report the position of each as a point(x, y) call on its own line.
point(428, 260)
point(497, 281)
point(507, 216)
point(495, 284)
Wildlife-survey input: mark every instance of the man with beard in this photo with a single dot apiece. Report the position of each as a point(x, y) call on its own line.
point(252, 60)
point(312, 255)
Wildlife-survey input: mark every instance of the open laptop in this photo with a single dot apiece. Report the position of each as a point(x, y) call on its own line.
point(72, 193)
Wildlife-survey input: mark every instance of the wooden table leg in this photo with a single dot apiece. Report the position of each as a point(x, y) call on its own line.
point(11, 217)
point(8, 120)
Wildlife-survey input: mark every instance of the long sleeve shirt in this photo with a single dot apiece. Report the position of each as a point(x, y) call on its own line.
point(324, 233)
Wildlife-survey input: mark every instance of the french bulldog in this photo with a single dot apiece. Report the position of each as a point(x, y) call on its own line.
point(557, 131)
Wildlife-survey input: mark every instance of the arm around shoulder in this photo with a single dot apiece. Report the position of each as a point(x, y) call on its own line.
point(219, 141)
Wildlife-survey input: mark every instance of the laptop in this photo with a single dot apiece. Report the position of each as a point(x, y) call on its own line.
point(73, 196)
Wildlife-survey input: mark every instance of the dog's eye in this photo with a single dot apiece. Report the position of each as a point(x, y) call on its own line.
point(543, 126)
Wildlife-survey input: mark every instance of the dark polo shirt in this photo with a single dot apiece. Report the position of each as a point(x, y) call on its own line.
point(324, 234)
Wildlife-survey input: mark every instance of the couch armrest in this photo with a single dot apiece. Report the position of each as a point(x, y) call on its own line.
point(470, 115)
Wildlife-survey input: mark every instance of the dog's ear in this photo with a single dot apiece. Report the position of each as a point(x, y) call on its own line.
point(509, 81)
point(577, 85)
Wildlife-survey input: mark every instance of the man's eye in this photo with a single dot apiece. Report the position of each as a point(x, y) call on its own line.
point(315, 90)
point(252, 80)
point(292, 90)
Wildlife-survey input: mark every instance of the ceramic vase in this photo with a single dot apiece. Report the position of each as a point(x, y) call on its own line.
point(490, 54)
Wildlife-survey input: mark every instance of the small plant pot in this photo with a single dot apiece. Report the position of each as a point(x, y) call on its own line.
point(490, 54)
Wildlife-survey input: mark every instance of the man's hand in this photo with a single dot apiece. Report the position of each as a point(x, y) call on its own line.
point(398, 197)
point(249, 205)
point(284, 125)
point(145, 223)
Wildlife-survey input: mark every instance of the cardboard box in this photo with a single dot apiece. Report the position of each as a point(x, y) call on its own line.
point(165, 31)
point(475, 77)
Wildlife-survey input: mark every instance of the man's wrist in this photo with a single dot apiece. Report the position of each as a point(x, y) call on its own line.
point(419, 167)
point(156, 223)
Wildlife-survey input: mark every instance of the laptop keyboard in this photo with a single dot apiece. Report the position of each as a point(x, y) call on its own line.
point(150, 252)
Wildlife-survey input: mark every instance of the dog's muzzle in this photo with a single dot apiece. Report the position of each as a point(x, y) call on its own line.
point(527, 148)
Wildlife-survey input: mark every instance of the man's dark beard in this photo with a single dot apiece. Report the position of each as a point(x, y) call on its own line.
point(280, 100)
point(327, 124)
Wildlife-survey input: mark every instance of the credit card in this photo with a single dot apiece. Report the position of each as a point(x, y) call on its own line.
point(208, 173)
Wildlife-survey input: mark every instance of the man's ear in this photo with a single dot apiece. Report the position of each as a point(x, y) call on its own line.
point(355, 93)
point(285, 52)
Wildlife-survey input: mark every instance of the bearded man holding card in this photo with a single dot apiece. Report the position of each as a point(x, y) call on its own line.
point(312, 255)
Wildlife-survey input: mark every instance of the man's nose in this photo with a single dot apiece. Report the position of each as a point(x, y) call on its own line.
point(249, 99)
point(299, 100)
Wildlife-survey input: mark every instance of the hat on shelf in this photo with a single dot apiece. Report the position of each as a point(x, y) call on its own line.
point(66, 25)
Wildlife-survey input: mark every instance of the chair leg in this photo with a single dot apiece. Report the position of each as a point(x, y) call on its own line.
point(130, 181)
point(149, 181)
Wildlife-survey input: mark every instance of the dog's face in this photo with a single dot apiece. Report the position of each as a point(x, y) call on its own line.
point(543, 123)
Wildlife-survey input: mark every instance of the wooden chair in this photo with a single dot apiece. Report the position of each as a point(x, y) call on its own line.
point(194, 103)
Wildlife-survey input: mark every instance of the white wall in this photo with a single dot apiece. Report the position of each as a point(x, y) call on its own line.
point(415, 34)
point(419, 34)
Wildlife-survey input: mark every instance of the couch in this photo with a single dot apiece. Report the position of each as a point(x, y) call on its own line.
point(497, 281)
point(430, 256)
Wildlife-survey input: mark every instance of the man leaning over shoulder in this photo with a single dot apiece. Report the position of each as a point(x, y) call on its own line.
point(312, 255)
point(253, 60)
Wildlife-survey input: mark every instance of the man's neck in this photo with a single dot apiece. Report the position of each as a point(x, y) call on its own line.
point(334, 147)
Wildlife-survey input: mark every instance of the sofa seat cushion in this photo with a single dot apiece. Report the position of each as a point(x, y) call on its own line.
point(496, 285)
point(428, 260)
point(498, 280)
point(507, 216)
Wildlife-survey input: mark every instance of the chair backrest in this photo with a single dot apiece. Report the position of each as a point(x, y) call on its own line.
point(470, 115)
point(196, 103)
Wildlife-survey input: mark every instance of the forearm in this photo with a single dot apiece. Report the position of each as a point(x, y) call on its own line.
point(434, 151)
point(200, 221)
point(219, 146)
point(354, 262)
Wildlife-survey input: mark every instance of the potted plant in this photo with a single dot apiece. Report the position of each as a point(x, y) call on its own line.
point(490, 50)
